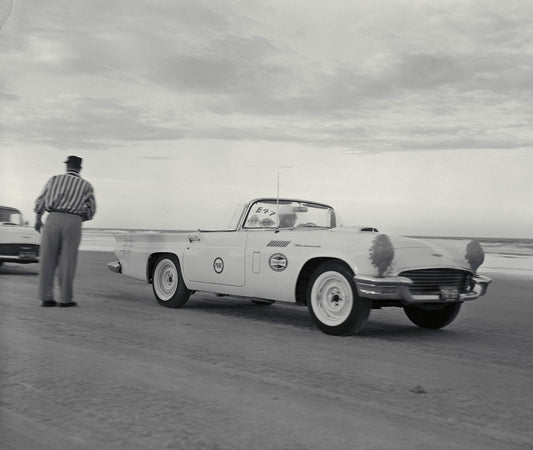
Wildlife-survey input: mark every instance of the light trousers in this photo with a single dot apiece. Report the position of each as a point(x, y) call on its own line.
point(61, 236)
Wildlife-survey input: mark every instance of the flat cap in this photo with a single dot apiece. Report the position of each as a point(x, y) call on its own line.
point(74, 161)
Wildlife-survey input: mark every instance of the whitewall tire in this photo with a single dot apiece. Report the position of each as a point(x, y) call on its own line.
point(167, 282)
point(333, 302)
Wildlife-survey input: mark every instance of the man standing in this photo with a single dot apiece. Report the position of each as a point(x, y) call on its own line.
point(69, 200)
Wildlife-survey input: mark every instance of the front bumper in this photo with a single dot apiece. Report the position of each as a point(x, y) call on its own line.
point(19, 259)
point(397, 288)
point(19, 253)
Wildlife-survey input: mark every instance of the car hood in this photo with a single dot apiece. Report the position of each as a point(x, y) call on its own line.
point(413, 254)
point(17, 234)
point(388, 255)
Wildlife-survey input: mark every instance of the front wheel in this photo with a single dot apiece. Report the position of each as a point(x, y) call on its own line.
point(432, 316)
point(169, 289)
point(333, 302)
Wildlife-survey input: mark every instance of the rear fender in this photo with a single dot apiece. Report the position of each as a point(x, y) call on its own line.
point(150, 264)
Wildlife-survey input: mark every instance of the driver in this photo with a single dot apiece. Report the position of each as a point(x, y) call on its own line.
point(287, 216)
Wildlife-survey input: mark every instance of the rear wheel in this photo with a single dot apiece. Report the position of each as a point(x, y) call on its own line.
point(169, 289)
point(432, 316)
point(333, 302)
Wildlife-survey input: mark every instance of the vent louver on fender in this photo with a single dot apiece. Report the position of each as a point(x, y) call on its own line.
point(278, 243)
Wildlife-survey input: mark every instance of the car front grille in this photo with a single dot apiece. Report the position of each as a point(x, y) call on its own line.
point(429, 281)
point(15, 249)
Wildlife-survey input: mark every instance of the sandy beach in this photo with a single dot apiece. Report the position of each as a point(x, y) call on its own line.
point(120, 371)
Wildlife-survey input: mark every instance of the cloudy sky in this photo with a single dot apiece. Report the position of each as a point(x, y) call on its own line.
point(412, 116)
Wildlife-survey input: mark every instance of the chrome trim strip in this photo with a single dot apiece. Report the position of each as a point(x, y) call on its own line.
point(115, 266)
point(384, 281)
point(16, 258)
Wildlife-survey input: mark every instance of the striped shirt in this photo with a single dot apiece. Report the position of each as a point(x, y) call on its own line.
point(67, 193)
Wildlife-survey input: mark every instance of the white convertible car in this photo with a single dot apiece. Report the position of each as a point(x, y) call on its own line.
point(297, 251)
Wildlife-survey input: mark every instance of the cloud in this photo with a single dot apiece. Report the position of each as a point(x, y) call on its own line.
point(160, 158)
point(87, 123)
point(6, 7)
point(7, 96)
point(383, 76)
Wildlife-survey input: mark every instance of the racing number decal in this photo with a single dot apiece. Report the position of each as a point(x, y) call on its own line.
point(263, 210)
point(218, 265)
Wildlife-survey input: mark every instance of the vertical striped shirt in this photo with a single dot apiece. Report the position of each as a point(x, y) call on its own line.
point(67, 193)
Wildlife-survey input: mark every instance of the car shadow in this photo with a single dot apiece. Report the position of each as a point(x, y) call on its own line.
point(18, 269)
point(278, 313)
point(391, 331)
point(298, 316)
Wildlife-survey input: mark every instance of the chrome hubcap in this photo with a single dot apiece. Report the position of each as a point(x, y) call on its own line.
point(165, 279)
point(332, 298)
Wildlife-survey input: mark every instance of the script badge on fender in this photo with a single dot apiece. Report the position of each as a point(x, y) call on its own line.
point(278, 262)
point(218, 265)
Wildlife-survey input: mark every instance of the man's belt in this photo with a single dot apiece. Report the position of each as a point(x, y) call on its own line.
point(64, 212)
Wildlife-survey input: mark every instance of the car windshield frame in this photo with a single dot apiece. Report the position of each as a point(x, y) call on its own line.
point(7, 215)
point(275, 214)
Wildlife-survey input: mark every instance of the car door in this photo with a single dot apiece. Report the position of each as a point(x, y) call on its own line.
point(272, 264)
point(216, 257)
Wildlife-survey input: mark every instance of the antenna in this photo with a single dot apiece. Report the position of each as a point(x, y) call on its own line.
point(277, 197)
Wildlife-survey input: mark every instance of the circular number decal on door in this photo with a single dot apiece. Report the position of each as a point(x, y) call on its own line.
point(218, 265)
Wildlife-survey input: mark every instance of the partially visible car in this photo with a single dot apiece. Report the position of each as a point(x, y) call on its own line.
point(19, 243)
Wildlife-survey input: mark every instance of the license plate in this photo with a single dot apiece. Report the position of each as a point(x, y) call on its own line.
point(27, 254)
point(449, 293)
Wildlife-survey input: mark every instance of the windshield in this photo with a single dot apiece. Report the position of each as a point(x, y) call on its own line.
point(237, 214)
point(289, 214)
point(10, 215)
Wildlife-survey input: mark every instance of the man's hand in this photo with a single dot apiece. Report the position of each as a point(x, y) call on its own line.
point(38, 224)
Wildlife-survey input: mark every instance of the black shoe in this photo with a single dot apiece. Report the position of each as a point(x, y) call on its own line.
point(49, 303)
point(66, 305)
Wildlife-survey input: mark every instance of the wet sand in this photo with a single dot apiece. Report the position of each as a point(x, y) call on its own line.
point(119, 371)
